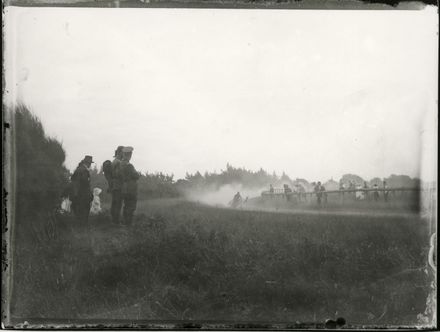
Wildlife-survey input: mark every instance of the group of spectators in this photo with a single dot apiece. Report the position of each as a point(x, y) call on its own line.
point(122, 185)
point(122, 180)
point(359, 192)
point(298, 191)
point(320, 193)
point(362, 191)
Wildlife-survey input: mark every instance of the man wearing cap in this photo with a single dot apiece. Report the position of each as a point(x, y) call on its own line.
point(129, 185)
point(116, 185)
point(81, 192)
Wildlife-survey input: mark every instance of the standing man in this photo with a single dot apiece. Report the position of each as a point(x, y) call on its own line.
point(82, 194)
point(129, 185)
point(385, 191)
point(287, 192)
point(376, 192)
point(324, 194)
point(341, 194)
point(366, 196)
point(301, 192)
point(115, 185)
point(318, 191)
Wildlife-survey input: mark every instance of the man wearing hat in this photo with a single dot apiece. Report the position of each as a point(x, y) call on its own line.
point(81, 192)
point(116, 185)
point(129, 185)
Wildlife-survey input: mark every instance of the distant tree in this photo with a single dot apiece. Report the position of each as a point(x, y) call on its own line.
point(417, 183)
point(285, 178)
point(346, 178)
point(232, 175)
point(303, 183)
point(331, 185)
point(374, 181)
point(402, 181)
point(397, 181)
point(156, 185)
point(182, 185)
point(301, 180)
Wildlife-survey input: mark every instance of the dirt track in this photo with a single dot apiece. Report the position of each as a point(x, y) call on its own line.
point(309, 210)
point(324, 211)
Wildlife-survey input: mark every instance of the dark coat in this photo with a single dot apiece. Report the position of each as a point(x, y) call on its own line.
point(129, 177)
point(81, 184)
point(117, 177)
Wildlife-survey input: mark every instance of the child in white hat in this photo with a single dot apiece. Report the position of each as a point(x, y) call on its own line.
point(96, 203)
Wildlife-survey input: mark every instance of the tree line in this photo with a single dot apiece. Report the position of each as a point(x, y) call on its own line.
point(41, 176)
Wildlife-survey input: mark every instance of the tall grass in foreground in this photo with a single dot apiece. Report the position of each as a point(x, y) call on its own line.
point(191, 262)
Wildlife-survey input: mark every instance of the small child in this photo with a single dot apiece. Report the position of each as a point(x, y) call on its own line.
point(96, 203)
point(66, 205)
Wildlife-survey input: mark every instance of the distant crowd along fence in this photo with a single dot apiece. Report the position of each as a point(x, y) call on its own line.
point(384, 194)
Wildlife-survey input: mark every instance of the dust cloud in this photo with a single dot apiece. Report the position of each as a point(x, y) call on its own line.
point(221, 197)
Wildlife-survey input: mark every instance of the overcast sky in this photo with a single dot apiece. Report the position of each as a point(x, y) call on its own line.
point(313, 93)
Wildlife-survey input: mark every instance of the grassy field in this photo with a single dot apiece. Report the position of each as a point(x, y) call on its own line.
point(186, 261)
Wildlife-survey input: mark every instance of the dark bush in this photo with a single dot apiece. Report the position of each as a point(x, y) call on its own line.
point(41, 174)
